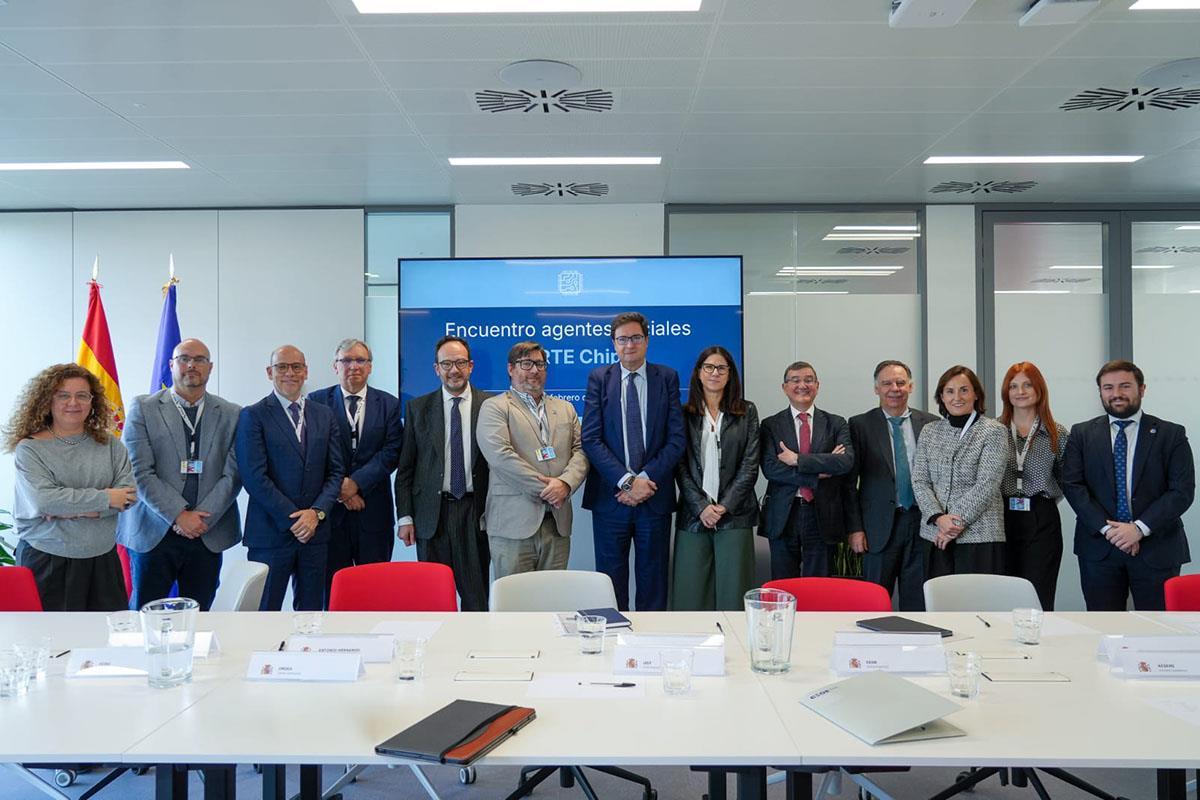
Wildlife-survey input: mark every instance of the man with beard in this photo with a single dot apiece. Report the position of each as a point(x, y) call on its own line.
point(1129, 477)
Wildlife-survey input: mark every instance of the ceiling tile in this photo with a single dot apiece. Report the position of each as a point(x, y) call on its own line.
point(98, 127)
point(627, 101)
point(601, 74)
point(1160, 39)
point(554, 144)
point(548, 124)
point(216, 77)
point(910, 99)
point(42, 106)
point(124, 45)
point(79, 149)
point(816, 122)
point(157, 14)
point(274, 126)
point(790, 152)
point(868, 73)
point(218, 104)
point(297, 146)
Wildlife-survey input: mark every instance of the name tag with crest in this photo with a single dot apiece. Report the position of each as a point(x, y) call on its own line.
point(545, 453)
point(191, 466)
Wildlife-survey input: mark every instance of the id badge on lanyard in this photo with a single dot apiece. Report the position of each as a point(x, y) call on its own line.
point(1021, 503)
point(192, 465)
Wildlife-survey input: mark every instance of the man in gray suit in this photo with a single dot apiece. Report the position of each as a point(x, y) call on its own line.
point(881, 511)
point(535, 455)
point(442, 480)
point(180, 442)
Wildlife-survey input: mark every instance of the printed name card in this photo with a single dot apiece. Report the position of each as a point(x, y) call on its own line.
point(300, 666)
point(205, 644)
point(107, 662)
point(1152, 656)
point(375, 648)
point(906, 653)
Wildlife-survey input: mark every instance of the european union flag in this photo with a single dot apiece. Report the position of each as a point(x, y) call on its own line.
point(168, 338)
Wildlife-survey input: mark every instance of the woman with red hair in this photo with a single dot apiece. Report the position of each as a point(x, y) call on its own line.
point(1032, 483)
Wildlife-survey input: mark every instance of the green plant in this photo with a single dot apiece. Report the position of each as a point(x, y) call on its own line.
point(7, 547)
point(846, 562)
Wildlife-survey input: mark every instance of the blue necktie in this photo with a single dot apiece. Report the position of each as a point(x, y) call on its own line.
point(635, 447)
point(904, 492)
point(1120, 457)
point(295, 409)
point(458, 468)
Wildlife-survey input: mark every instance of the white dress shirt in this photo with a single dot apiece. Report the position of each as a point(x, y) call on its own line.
point(283, 401)
point(464, 409)
point(1131, 437)
point(642, 392)
point(796, 427)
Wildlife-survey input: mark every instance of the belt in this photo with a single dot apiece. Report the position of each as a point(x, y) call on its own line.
point(448, 496)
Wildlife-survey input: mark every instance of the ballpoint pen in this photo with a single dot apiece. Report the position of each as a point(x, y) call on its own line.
point(984, 621)
point(722, 630)
point(623, 685)
point(60, 655)
point(282, 645)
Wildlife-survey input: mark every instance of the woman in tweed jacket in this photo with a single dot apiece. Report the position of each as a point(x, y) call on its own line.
point(956, 478)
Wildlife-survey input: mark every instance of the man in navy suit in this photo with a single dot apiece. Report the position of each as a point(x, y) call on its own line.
point(368, 432)
point(633, 437)
point(291, 466)
point(1129, 476)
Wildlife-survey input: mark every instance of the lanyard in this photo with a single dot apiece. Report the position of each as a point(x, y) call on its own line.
point(193, 437)
point(297, 426)
point(967, 427)
point(539, 412)
point(355, 419)
point(1023, 451)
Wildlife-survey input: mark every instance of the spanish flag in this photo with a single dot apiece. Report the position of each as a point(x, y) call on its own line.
point(96, 355)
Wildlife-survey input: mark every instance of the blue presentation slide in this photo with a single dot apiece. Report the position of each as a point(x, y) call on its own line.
point(566, 304)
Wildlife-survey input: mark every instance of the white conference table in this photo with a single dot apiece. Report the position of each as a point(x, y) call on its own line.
point(742, 722)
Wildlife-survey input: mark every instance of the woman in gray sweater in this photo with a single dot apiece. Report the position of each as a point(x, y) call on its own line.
point(73, 478)
point(956, 477)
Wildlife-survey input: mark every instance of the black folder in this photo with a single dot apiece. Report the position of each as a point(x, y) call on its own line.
point(458, 733)
point(901, 625)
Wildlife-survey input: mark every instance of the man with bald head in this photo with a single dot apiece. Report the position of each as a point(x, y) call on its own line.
point(292, 469)
point(180, 441)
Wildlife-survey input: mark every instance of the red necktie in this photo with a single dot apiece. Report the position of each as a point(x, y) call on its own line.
point(804, 435)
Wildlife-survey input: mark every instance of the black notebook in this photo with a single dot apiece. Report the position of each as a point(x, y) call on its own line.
point(900, 625)
point(458, 733)
point(614, 618)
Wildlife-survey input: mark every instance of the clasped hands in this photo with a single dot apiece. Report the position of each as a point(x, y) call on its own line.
point(349, 496)
point(641, 491)
point(305, 526)
point(949, 526)
point(1125, 536)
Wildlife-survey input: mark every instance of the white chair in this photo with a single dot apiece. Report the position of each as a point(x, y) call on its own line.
point(552, 590)
point(241, 586)
point(979, 593)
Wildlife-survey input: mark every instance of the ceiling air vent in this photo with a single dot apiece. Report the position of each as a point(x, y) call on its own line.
point(871, 251)
point(1061, 280)
point(1133, 100)
point(983, 187)
point(1171, 249)
point(544, 100)
point(560, 189)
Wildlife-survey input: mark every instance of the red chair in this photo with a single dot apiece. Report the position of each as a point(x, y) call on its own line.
point(126, 570)
point(18, 590)
point(1183, 593)
point(834, 594)
point(394, 586)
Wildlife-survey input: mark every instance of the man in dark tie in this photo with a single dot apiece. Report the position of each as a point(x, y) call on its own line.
point(442, 480)
point(803, 448)
point(368, 431)
point(633, 437)
point(881, 512)
point(292, 468)
point(1129, 477)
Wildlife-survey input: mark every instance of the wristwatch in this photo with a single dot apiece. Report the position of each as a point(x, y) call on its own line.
point(320, 515)
point(627, 484)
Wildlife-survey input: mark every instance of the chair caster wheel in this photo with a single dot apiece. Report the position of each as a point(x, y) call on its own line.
point(466, 775)
point(64, 777)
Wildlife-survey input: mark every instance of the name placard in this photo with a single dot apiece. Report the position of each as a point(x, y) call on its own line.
point(107, 662)
point(904, 653)
point(285, 666)
point(205, 644)
point(375, 648)
point(1137, 663)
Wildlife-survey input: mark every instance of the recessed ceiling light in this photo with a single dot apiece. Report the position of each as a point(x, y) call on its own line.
point(1032, 159)
point(912, 228)
point(35, 166)
point(519, 6)
point(1154, 266)
point(1188, 228)
point(851, 267)
point(840, 273)
point(1033, 291)
point(1165, 5)
point(869, 237)
point(763, 294)
point(558, 161)
point(1193, 291)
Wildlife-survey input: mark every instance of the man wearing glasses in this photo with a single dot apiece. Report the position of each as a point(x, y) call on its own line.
point(802, 451)
point(532, 445)
point(442, 480)
point(292, 468)
point(369, 433)
point(180, 442)
point(633, 437)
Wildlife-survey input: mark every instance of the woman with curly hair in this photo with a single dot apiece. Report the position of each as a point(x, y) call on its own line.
point(73, 478)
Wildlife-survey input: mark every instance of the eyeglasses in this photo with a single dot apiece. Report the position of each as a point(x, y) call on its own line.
point(353, 362)
point(637, 338)
point(714, 369)
point(458, 363)
point(199, 361)
point(284, 368)
point(529, 364)
point(79, 397)
point(795, 381)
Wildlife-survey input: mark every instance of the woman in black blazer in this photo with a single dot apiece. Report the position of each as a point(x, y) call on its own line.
point(714, 543)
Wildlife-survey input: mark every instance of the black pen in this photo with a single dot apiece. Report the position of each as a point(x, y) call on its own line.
point(282, 645)
point(605, 683)
point(60, 655)
point(986, 624)
point(722, 630)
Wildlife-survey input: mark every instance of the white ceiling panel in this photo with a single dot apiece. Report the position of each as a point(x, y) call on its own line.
point(297, 146)
point(97, 127)
point(1003, 142)
point(1163, 40)
point(844, 101)
point(600, 74)
point(554, 144)
point(1149, 126)
point(26, 79)
point(216, 77)
point(142, 149)
point(124, 45)
point(790, 152)
point(272, 126)
point(41, 106)
point(819, 122)
point(159, 14)
point(150, 198)
point(549, 124)
point(17, 197)
point(1077, 74)
point(314, 163)
point(864, 72)
point(826, 11)
point(181, 181)
point(221, 104)
point(461, 101)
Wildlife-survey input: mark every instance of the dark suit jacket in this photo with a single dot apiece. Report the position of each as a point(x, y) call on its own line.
point(280, 477)
point(738, 470)
point(871, 485)
point(423, 466)
point(829, 430)
point(604, 443)
point(1163, 486)
point(372, 464)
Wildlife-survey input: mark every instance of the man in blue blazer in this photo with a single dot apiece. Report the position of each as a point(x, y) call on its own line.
point(369, 434)
point(633, 437)
point(291, 466)
point(1129, 477)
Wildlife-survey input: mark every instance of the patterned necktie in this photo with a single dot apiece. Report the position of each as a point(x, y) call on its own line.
point(353, 421)
point(294, 408)
point(635, 446)
point(904, 491)
point(458, 468)
point(1120, 457)
point(804, 437)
